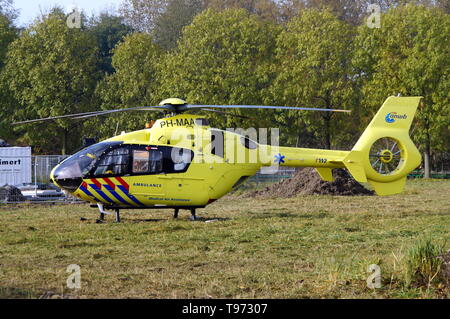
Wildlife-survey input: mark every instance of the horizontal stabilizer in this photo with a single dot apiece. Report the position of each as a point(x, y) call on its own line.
point(355, 165)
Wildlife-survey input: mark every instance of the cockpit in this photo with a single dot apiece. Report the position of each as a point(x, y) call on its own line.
point(116, 159)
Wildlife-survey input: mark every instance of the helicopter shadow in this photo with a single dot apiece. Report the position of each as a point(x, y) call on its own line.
point(138, 221)
point(198, 219)
point(209, 220)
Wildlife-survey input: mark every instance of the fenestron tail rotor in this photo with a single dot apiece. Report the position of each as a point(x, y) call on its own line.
point(386, 156)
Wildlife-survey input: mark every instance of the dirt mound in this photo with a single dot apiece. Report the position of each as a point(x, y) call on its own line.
point(308, 182)
point(10, 194)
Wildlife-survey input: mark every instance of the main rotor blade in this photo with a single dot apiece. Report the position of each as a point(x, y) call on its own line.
point(97, 113)
point(54, 118)
point(228, 114)
point(265, 107)
point(116, 111)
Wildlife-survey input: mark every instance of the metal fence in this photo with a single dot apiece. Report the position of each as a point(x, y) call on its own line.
point(42, 166)
point(32, 184)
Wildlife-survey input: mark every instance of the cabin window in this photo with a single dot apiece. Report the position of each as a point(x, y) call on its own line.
point(141, 161)
point(181, 158)
point(217, 143)
point(156, 162)
point(160, 160)
point(114, 163)
point(202, 122)
point(248, 143)
point(147, 161)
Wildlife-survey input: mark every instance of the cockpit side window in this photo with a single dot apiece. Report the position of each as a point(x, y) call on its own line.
point(82, 163)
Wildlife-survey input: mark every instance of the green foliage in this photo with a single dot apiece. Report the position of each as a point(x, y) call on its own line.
point(177, 15)
point(109, 30)
point(313, 68)
point(134, 82)
point(52, 70)
point(409, 56)
point(423, 265)
point(141, 14)
point(350, 11)
point(8, 33)
point(163, 19)
point(222, 58)
point(265, 9)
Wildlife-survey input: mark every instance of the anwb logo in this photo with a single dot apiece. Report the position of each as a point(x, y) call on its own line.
point(392, 117)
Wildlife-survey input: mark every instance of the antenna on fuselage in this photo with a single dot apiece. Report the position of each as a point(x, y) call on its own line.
point(117, 128)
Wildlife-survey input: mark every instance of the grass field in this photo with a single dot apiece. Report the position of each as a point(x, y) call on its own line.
point(305, 247)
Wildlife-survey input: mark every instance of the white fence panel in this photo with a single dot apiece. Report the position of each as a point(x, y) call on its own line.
point(15, 165)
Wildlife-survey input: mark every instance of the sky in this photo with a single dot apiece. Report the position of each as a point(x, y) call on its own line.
point(29, 9)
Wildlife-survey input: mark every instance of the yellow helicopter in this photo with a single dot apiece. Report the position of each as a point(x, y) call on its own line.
point(183, 163)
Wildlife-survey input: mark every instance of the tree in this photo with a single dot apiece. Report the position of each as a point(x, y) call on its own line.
point(444, 5)
point(313, 67)
point(52, 70)
point(222, 58)
point(142, 14)
point(7, 9)
point(163, 19)
point(351, 11)
point(265, 9)
point(8, 33)
point(177, 15)
point(109, 30)
point(134, 82)
point(409, 56)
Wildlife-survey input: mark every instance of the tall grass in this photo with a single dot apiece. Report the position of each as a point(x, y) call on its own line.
point(423, 265)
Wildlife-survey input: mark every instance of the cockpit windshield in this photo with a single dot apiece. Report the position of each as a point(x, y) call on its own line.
point(81, 163)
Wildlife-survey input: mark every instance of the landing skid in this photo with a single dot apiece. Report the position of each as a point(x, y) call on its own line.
point(116, 210)
point(103, 213)
point(193, 214)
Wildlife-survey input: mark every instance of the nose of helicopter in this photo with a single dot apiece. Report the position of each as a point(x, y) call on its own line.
point(67, 176)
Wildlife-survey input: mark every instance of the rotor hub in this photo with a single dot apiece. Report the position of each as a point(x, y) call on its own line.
point(386, 156)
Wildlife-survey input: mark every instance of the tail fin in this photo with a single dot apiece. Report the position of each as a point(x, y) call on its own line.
point(385, 153)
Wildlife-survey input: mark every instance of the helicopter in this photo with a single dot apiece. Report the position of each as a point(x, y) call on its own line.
point(182, 163)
